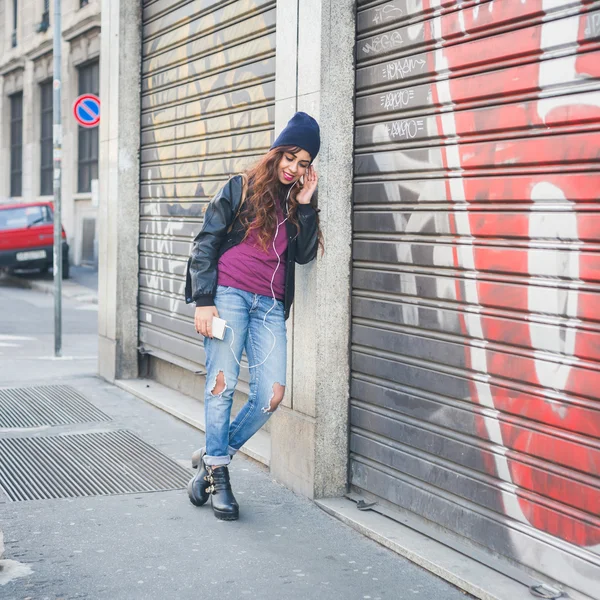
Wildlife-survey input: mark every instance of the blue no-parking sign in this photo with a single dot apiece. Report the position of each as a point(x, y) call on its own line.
point(87, 110)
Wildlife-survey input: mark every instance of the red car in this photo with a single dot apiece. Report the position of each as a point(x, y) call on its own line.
point(27, 237)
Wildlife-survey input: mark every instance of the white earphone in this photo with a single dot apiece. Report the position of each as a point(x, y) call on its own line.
point(272, 293)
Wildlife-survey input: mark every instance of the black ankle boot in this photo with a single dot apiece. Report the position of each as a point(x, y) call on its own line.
point(198, 486)
point(197, 457)
point(223, 502)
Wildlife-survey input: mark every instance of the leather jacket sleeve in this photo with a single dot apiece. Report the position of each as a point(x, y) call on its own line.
point(201, 275)
point(307, 242)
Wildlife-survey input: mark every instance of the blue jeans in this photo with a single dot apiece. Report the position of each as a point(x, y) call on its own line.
point(245, 314)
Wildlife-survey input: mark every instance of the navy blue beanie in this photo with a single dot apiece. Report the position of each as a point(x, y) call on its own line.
point(303, 132)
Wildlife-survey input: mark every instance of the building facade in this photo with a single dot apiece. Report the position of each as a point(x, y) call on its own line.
point(443, 354)
point(26, 139)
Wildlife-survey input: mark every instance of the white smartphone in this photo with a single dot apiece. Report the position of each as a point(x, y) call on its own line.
point(218, 328)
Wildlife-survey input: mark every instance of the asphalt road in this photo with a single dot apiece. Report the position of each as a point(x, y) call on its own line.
point(27, 335)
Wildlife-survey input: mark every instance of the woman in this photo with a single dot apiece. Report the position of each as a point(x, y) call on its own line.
point(241, 270)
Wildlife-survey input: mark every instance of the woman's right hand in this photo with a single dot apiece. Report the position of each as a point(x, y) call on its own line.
point(203, 319)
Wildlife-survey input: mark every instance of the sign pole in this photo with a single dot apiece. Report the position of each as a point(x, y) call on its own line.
point(57, 159)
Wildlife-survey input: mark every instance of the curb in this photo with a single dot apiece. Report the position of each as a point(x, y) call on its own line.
point(473, 577)
point(70, 290)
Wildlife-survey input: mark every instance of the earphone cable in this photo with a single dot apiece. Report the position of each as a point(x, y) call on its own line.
point(272, 293)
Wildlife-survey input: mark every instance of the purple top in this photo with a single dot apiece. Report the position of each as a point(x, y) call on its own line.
point(250, 268)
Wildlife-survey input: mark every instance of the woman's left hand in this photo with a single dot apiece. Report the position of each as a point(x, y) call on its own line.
point(310, 185)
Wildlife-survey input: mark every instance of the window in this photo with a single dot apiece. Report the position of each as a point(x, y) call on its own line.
point(45, 22)
point(16, 144)
point(22, 217)
point(46, 141)
point(89, 83)
point(14, 31)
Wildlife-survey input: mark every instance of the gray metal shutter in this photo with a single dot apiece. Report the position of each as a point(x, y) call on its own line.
point(208, 90)
point(476, 275)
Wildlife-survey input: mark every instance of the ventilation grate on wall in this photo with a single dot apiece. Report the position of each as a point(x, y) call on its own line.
point(45, 405)
point(86, 464)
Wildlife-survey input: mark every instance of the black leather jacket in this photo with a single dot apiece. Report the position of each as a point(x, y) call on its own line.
point(222, 230)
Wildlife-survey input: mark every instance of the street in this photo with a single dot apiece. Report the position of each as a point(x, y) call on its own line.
point(133, 533)
point(27, 335)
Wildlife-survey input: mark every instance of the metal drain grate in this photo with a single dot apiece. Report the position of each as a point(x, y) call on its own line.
point(85, 464)
point(45, 405)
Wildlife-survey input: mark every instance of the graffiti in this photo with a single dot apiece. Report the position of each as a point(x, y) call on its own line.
point(399, 69)
point(397, 100)
point(504, 276)
point(405, 129)
point(383, 43)
point(548, 377)
point(386, 13)
point(592, 28)
point(207, 112)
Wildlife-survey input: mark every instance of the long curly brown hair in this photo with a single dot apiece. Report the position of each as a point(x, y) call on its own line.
point(264, 191)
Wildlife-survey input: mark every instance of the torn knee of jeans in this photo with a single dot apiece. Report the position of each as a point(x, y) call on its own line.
point(219, 385)
point(276, 398)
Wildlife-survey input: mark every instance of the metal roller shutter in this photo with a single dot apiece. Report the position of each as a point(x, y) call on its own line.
point(208, 92)
point(476, 275)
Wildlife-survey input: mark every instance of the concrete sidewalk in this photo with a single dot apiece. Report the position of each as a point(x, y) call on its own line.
point(155, 544)
point(82, 284)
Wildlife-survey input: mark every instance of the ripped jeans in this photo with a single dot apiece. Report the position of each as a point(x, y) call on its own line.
point(244, 313)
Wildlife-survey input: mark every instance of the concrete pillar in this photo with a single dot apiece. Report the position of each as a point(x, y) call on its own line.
point(309, 436)
point(118, 211)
